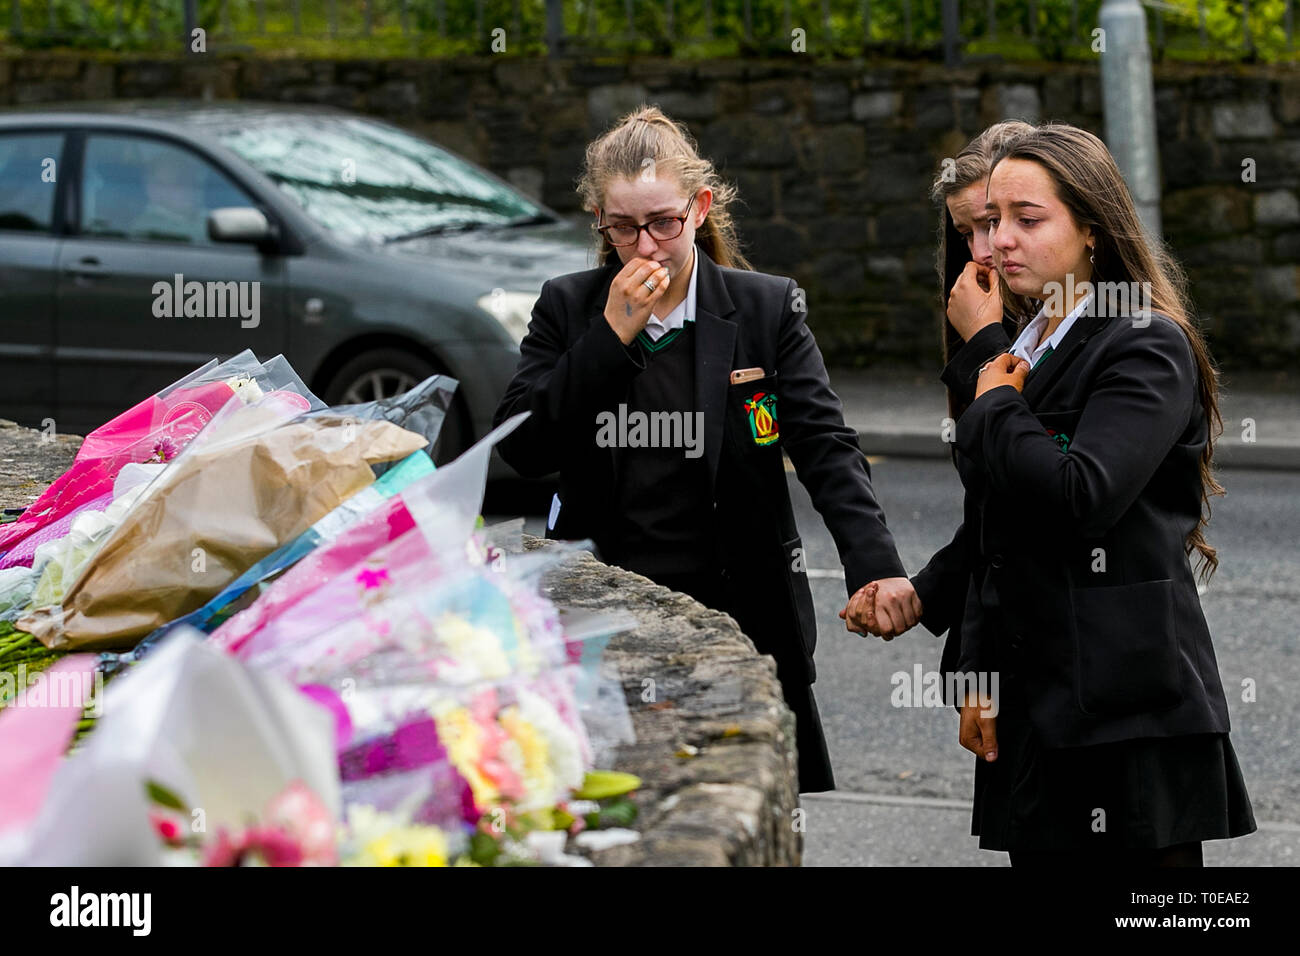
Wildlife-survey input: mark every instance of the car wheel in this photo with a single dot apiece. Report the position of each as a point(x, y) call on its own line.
point(384, 373)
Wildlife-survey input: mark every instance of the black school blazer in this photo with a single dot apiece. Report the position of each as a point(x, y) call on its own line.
point(572, 366)
point(941, 584)
point(1080, 494)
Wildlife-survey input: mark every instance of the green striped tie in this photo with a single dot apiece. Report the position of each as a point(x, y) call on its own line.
point(1041, 357)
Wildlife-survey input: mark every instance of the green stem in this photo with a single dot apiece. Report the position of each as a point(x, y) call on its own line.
point(27, 661)
point(12, 649)
point(8, 646)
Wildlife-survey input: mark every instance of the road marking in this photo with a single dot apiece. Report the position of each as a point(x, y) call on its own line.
point(889, 799)
point(940, 803)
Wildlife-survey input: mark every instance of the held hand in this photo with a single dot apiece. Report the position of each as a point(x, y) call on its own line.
point(1004, 369)
point(898, 609)
point(627, 310)
point(885, 608)
point(975, 300)
point(978, 734)
point(859, 614)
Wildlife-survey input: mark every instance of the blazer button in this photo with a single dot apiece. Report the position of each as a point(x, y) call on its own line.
point(996, 561)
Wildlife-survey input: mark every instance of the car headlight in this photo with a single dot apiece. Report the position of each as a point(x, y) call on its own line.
point(513, 310)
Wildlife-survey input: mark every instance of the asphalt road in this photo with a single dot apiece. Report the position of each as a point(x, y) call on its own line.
point(903, 781)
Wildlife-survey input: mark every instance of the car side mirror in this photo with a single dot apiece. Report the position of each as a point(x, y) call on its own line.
point(239, 224)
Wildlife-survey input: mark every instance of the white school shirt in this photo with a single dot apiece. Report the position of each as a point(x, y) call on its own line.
point(685, 311)
point(1032, 332)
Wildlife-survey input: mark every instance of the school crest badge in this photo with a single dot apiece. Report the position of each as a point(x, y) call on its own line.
point(763, 426)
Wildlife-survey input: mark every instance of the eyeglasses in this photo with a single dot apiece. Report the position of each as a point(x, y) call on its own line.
point(660, 230)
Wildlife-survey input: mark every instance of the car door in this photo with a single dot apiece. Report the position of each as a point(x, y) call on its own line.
point(144, 296)
point(30, 162)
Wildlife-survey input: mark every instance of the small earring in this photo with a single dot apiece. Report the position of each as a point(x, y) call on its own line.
point(1090, 259)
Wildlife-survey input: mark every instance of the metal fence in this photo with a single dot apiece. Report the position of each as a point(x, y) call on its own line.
point(953, 29)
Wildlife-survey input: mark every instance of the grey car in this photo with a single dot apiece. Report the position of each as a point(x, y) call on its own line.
point(139, 239)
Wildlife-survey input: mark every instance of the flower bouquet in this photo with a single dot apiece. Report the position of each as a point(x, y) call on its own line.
point(257, 477)
point(154, 430)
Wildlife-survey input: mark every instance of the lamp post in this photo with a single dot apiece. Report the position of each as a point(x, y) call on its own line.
point(1128, 101)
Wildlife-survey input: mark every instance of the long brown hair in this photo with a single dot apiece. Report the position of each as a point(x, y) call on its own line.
point(647, 134)
point(970, 166)
point(1090, 185)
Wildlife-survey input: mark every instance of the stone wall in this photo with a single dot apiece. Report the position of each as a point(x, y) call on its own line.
point(833, 160)
point(715, 741)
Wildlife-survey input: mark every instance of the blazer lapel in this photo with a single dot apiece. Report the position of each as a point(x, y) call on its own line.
point(1041, 378)
point(715, 346)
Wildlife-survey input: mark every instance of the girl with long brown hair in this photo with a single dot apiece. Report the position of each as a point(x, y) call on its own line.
point(1087, 455)
point(1108, 742)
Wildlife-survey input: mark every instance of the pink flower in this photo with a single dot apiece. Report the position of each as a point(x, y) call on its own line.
point(167, 827)
point(222, 851)
point(483, 707)
point(164, 449)
point(372, 579)
point(300, 813)
point(272, 846)
point(299, 831)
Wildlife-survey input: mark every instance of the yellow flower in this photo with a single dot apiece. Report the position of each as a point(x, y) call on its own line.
point(407, 846)
point(539, 779)
point(382, 841)
point(463, 739)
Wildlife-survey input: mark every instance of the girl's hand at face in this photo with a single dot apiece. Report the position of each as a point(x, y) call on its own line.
point(627, 310)
point(1004, 369)
point(975, 300)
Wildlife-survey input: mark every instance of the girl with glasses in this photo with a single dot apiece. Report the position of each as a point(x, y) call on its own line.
point(675, 327)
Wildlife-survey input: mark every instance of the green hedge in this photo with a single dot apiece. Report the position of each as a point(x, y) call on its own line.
point(1059, 30)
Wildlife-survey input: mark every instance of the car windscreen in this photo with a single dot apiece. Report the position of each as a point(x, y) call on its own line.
point(368, 181)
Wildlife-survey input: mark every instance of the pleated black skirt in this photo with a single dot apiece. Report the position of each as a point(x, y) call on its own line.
point(1147, 793)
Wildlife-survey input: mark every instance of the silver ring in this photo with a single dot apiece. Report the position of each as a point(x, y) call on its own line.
point(649, 285)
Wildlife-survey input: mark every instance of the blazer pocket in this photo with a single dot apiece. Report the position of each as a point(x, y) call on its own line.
point(801, 600)
point(753, 415)
point(1126, 648)
point(1060, 426)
